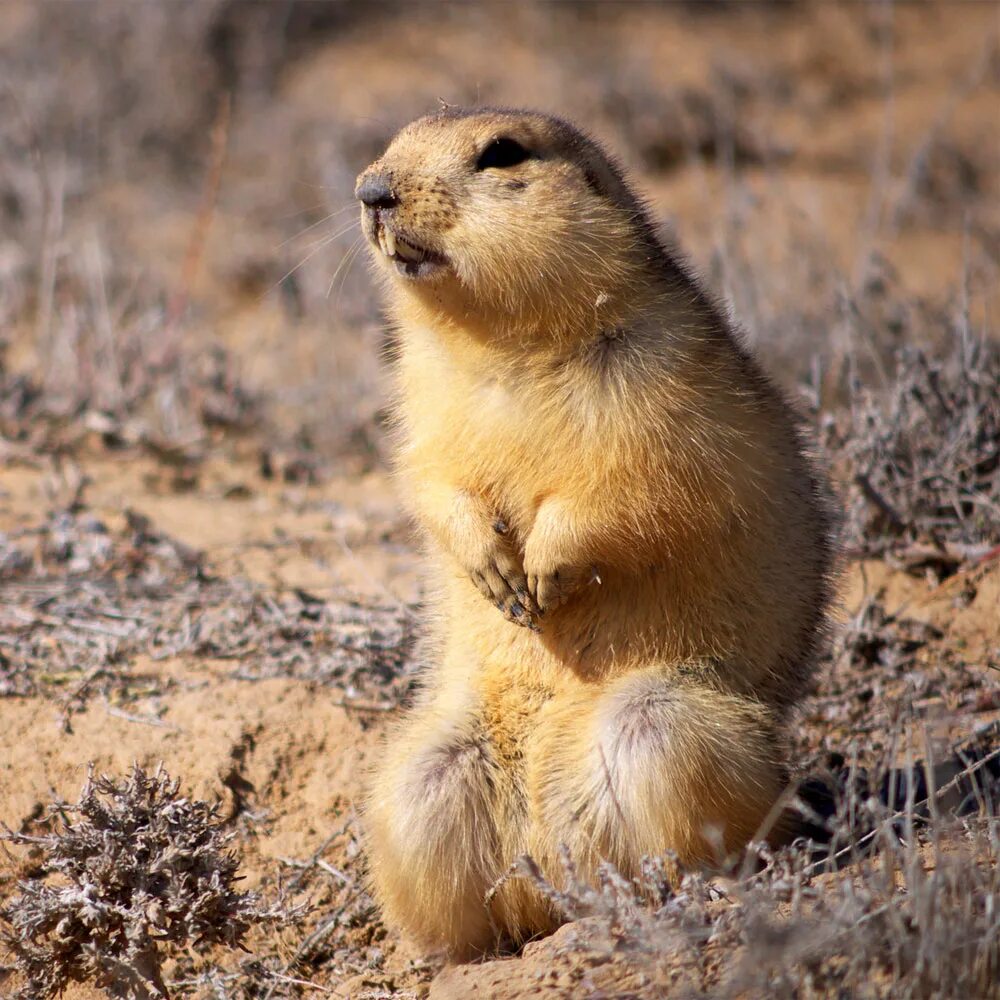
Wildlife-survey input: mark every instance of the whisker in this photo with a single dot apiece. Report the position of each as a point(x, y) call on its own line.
point(345, 265)
point(300, 211)
point(315, 187)
point(309, 256)
point(326, 218)
point(328, 237)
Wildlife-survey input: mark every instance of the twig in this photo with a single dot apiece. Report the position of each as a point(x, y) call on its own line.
point(144, 720)
point(199, 235)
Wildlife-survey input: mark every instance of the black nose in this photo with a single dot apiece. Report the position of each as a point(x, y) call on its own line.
point(374, 191)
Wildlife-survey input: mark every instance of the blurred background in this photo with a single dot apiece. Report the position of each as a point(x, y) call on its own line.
point(179, 251)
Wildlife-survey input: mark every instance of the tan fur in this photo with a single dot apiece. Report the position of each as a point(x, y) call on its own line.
point(583, 441)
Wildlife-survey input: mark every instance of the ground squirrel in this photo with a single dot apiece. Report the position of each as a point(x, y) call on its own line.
point(588, 447)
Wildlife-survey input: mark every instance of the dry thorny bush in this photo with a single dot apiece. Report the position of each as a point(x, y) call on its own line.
point(134, 872)
point(902, 898)
point(135, 890)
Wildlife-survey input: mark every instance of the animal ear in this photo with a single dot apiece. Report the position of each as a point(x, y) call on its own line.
point(593, 181)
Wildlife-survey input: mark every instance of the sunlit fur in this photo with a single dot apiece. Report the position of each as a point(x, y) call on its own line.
point(563, 374)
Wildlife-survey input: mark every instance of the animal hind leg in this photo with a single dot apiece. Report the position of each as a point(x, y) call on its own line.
point(432, 835)
point(655, 764)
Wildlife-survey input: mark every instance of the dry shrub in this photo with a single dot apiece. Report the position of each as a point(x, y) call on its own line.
point(333, 932)
point(135, 872)
point(905, 910)
point(923, 457)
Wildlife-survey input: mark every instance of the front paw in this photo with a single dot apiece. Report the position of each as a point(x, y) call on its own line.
point(499, 575)
point(553, 584)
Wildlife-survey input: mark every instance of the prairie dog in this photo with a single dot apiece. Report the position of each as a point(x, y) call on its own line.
point(629, 551)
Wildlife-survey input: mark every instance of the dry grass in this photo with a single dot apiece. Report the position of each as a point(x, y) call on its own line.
point(81, 603)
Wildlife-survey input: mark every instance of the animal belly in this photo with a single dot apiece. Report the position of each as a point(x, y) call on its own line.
point(510, 708)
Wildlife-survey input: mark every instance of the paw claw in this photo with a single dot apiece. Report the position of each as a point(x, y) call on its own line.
point(500, 578)
point(553, 588)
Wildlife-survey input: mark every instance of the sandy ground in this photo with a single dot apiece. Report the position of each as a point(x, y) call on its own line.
point(285, 753)
point(287, 759)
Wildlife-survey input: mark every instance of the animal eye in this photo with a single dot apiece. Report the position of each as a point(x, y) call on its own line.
point(502, 153)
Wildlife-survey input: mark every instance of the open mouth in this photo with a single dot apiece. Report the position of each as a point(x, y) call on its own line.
point(410, 259)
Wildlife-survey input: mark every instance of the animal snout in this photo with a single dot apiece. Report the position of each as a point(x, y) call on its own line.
point(375, 192)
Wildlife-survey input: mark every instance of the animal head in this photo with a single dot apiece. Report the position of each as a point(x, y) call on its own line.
point(514, 216)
